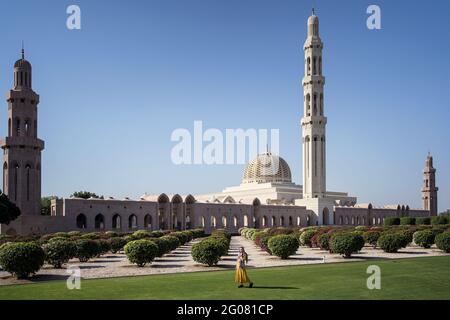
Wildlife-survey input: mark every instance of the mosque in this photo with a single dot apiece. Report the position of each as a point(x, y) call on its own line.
point(267, 196)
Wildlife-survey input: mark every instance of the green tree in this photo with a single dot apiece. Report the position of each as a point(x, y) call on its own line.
point(8, 210)
point(85, 195)
point(45, 205)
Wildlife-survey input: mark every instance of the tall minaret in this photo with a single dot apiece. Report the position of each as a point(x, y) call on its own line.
point(429, 190)
point(21, 147)
point(313, 121)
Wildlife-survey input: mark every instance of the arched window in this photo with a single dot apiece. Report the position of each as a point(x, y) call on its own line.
point(274, 222)
point(315, 104)
point(290, 221)
point(282, 221)
point(17, 129)
point(132, 222)
point(81, 221)
point(299, 221)
point(202, 221)
point(308, 220)
point(27, 169)
point(27, 127)
point(320, 65)
point(315, 156)
point(116, 222)
point(341, 220)
point(5, 174)
point(308, 66)
point(314, 65)
point(235, 221)
point(9, 127)
point(245, 220)
point(264, 221)
point(308, 105)
point(148, 221)
point(321, 104)
point(99, 221)
point(213, 221)
point(224, 221)
point(16, 179)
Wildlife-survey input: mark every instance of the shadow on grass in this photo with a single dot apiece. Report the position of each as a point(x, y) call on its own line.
point(274, 287)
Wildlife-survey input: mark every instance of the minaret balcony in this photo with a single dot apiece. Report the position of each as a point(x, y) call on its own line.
point(312, 79)
point(20, 141)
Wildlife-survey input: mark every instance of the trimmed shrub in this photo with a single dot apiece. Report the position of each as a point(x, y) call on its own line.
point(443, 241)
point(371, 237)
point(58, 253)
point(423, 221)
point(141, 251)
point(407, 237)
point(181, 236)
point(407, 221)
point(163, 246)
point(283, 245)
point(117, 244)
point(22, 258)
point(157, 234)
point(391, 221)
point(306, 236)
point(111, 234)
point(439, 219)
point(346, 243)
point(85, 249)
point(207, 251)
point(360, 228)
point(74, 233)
point(142, 234)
point(172, 242)
point(90, 236)
point(56, 239)
point(390, 242)
point(424, 238)
point(258, 234)
point(103, 247)
point(323, 241)
point(61, 234)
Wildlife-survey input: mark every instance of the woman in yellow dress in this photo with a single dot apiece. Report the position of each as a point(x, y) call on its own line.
point(241, 273)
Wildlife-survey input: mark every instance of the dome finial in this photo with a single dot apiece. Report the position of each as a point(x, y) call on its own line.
point(313, 11)
point(23, 51)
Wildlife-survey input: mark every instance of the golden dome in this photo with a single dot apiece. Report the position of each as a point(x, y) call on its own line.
point(267, 167)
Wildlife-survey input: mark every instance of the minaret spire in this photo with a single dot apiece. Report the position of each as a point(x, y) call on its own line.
point(314, 120)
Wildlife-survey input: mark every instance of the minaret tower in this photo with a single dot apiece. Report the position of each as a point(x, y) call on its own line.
point(429, 190)
point(21, 147)
point(313, 121)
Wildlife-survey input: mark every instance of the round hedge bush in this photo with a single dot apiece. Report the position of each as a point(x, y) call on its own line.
point(172, 242)
point(407, 237)
point(22, 258)
point(117, 244)
point(59, 252)
point(103, 247)
point(346, 243)
point(443, 241)
point(141, 251)
point(86, 249)
point(423, 221)
point(283, 245)
point(439, 219)
point(390, 242)
point(306, 236)
point(424, 238)
point(391, 221)
point(142, 234)
point(371, 237)
point(407, 221)
point(207, 251)
point(323, 241)
point(163, 246)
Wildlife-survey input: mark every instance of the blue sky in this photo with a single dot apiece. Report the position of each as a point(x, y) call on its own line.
point(113, 92)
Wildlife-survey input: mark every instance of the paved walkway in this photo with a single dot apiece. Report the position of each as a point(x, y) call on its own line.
point(180, 260)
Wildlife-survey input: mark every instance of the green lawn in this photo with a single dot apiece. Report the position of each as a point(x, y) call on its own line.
point(420, 278)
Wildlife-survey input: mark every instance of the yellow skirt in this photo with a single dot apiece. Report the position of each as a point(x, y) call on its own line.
point(241, 276)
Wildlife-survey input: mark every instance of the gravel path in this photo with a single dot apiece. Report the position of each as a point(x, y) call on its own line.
point(180, 260)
